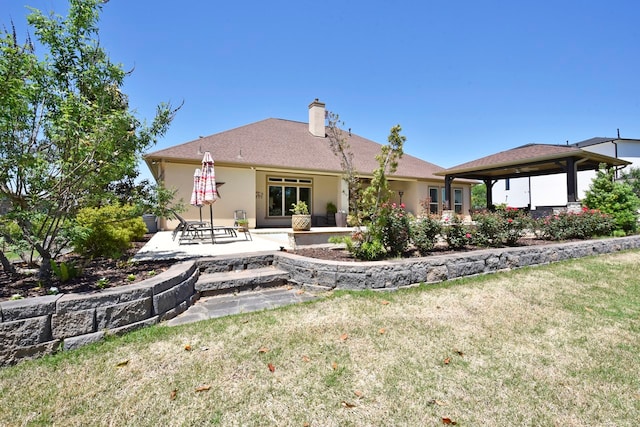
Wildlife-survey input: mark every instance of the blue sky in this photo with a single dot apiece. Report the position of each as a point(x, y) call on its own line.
point(463, 78)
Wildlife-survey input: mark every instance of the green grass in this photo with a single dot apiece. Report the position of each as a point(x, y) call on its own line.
point(554, 345)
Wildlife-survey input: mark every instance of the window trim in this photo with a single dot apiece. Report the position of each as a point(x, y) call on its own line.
point(284, 182)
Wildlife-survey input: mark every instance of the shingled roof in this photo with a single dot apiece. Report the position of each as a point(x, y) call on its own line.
point(286, 144)
point(530, 160)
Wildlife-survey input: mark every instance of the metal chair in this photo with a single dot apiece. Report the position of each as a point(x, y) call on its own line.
point(241, 215)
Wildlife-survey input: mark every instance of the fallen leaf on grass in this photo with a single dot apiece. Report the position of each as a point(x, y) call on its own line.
point(382, 331)
point(385, 302)
point(438, 402)
point(187, 347)
point(588, 309)
point(461, 354)
point(203, 388)
point(334, 365)
point(122, 363)
point(306, 425)
point(174, 394)
point(306, 359)
point(344, 337)
point(263, 350)
point(271, 367)
point(446, 420)
point(348, 404)
point(358, 393)
point(447, 360)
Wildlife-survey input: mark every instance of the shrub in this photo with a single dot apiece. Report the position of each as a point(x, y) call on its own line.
point(505, 226)
point(614, 198)
point(457, 234)
point(424, 233)
point(360, 248)
point(582, 225)
point(106, 231)
point(393, 225)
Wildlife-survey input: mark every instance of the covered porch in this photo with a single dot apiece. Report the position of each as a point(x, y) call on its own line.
point(527, 161)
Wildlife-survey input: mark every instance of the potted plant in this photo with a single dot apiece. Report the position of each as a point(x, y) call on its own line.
point(301, 219)
point(242, 224)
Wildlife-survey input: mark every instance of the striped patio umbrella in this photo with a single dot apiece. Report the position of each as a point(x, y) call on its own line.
point(194, 194)
point(207, 193)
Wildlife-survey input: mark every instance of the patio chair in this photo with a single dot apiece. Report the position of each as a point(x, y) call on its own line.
point(240, 223)
point(190, 230)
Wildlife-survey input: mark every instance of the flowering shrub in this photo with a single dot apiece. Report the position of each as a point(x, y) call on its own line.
point(424, 233)
point(457, 234)
point(503, 227)
point(392, 227)
point(582, 225)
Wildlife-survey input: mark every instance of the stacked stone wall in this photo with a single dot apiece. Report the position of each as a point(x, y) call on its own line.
point(398, 273)
point(36, 326)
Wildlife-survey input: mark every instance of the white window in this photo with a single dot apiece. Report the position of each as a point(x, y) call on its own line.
point(457, 200)
point(283, 192)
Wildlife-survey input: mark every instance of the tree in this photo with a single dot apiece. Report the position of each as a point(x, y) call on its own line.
point(66, 131)
point(614, 198)
point(340, 146)
point(378, 191)
point(479, 196)
point(632, 177)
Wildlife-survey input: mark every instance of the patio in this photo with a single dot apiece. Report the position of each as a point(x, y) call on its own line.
point(163, 246)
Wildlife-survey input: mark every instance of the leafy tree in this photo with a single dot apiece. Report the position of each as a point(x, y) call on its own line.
point(378, 192)
point(66, 131)
point(479, 196)
point(614, 198)
point(388, 226)
point(632, 177)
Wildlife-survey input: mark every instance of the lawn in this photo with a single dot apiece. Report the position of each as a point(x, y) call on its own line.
point(553, 345)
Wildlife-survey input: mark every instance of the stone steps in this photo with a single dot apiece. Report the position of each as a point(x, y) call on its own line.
point(239, 280)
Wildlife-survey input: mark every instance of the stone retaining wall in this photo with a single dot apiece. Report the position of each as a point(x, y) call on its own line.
point(36, 326)
point(398, 273)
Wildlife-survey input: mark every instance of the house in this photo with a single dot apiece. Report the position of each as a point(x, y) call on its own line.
point(270, 164)
point(544, 176)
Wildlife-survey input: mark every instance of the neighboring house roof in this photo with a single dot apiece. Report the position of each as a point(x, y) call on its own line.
point(286, 144)
point(530, 160)
point(600, 140)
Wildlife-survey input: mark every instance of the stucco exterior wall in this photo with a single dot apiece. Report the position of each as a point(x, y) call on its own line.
point(238, 192)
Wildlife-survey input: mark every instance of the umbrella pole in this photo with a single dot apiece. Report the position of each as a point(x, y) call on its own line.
point(200, 208)
point(213, 238)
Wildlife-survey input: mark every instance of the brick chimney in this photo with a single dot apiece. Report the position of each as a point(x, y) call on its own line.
point(316, 118)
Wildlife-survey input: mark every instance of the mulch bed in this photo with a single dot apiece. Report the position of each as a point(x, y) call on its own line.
point(120, 272)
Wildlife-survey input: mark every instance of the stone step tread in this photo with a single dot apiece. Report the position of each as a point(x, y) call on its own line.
point(266, 276)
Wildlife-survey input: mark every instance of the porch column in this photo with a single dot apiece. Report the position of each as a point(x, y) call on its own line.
point(572, 180)
point(448, 179)
point(488, 183)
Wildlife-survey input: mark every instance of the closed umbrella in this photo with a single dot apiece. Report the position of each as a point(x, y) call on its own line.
point(195, 201)
point(207, 193)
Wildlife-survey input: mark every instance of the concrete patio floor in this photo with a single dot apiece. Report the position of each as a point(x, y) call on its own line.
point(162, 246)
